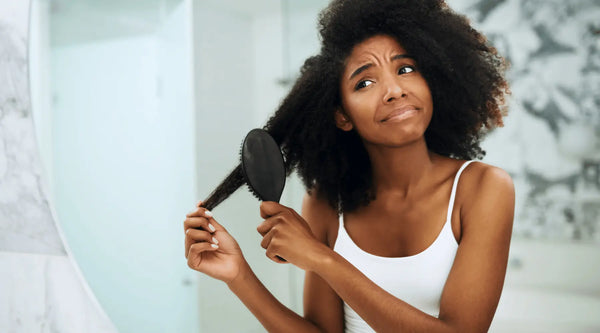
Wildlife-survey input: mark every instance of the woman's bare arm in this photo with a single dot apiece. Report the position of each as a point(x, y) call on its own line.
point(274, 316)
point(473, 288)
point(322, 305)
point(323, 310)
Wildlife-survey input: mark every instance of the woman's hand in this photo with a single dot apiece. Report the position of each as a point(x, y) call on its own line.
point(287, 235)
point(209, 248)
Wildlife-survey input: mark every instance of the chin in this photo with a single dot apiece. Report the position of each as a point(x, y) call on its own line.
point(400, 140)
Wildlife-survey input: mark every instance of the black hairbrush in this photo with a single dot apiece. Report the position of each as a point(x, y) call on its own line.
point(263, 166)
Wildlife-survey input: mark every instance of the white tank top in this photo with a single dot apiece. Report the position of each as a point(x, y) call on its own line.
point(418, 279)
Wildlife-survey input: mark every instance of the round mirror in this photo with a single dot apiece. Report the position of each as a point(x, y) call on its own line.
point(112, 101)
point(140, 108)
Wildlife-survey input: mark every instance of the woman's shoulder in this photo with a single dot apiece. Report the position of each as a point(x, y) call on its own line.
point(320, 216)
point(484, 183)
point(480, 175)
point(476, 174)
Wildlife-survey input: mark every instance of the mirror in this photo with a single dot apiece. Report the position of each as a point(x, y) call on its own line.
point(112, 103)
point(140, 108)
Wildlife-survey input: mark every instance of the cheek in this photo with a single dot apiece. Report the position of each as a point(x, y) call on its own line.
point(421, 88)
point(426, 93)
point(358, 108)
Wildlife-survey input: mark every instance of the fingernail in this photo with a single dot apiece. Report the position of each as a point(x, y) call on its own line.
point(187, 231)
point(210, 226)
point(215, 246)
point(216, 241)
point(208, 213)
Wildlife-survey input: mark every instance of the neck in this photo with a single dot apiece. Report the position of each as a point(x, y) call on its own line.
point(400, 170)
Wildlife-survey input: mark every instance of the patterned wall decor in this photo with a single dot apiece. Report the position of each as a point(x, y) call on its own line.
point(551, 143)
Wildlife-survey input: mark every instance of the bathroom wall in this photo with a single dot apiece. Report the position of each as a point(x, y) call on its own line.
point(41, 288)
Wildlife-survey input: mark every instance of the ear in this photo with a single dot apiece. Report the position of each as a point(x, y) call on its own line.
point(342, 121)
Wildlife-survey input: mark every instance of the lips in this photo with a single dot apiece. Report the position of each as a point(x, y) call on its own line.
point(400, 113)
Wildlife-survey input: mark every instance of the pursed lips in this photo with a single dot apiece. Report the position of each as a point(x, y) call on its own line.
point(400, 113)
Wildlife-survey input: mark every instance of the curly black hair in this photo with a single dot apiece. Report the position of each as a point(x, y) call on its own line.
point(463, 71)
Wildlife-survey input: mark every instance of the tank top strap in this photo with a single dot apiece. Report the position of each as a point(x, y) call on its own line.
point(453, 194)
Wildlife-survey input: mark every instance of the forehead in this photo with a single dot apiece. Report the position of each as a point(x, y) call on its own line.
point(374, 47)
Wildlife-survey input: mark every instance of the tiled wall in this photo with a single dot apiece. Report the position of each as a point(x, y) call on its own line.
point(40, 286)
point(551, 141)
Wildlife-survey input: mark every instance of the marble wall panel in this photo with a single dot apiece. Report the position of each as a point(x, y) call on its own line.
point(26, 223)
point(43, 293)
point(551, 143)
point(41, 288)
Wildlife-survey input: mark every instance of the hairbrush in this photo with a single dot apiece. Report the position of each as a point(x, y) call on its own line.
point(262, 166)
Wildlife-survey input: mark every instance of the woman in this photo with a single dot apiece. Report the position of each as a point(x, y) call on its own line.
point(399, 232)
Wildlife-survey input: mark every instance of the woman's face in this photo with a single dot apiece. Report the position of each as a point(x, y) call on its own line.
point(384, 96)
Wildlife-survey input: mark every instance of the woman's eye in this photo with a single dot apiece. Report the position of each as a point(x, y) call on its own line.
point(363, 84)
point(406, 69)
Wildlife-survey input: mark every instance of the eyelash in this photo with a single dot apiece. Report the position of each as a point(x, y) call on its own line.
point(360, 85)
point(413, 68)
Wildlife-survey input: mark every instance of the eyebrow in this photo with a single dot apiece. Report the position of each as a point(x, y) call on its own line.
point(367, 66)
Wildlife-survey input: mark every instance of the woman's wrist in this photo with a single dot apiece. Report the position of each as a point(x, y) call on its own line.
point(321, 258)
point(241, 278)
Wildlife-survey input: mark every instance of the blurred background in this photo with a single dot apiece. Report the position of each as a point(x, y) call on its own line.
point(140, 107)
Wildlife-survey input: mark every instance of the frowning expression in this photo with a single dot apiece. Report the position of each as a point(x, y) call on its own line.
point(384, 96)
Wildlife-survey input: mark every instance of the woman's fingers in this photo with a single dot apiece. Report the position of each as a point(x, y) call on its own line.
point(200, 212)
point(193, 256)
point(213, 225)
point(195, 236)
point(198, 223)
point(216, 225)
point(273, 213)
point(270, 208)
point(266, 241)
point(267, 225)
point(271, 253)
point(283, 231)
point(272, 249)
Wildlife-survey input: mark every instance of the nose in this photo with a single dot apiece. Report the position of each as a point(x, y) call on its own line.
point(393, 90)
